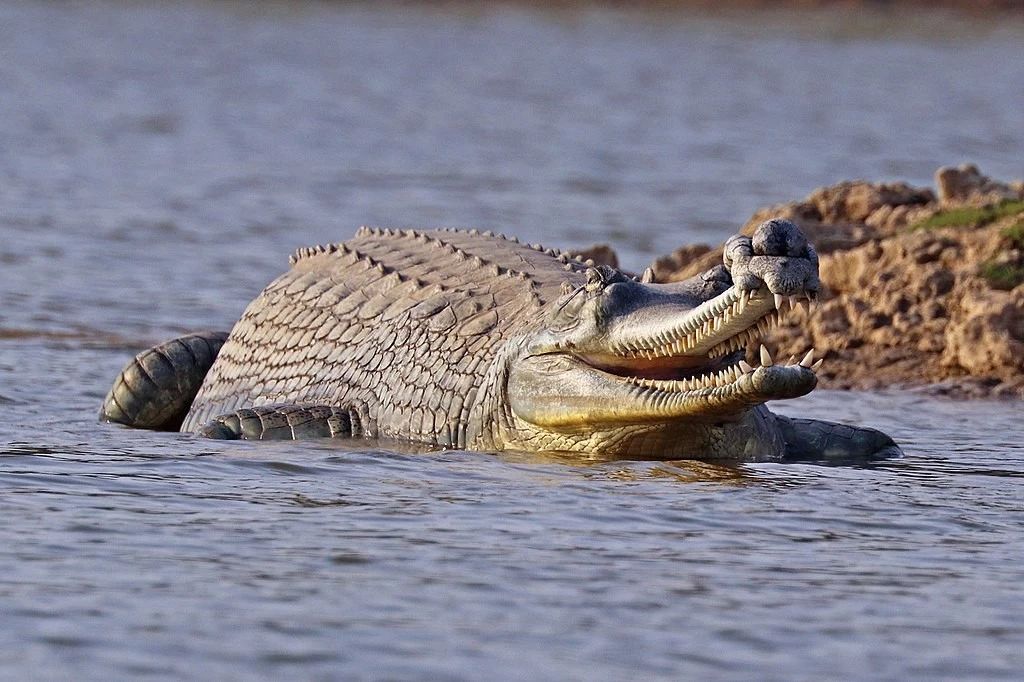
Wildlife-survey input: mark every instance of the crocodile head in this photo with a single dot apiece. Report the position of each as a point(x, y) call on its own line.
point(623, 366)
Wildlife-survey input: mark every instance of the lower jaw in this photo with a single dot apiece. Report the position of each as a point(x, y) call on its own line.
point(700, 374)
point(728, 400)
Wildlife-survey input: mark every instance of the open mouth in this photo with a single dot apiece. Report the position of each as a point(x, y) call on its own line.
point(656, 368)
point(708, 349)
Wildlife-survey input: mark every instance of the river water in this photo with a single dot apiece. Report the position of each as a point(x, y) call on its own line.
point(157, 165)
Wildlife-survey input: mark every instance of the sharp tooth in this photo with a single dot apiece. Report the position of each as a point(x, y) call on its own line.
point(808, 359)
point(766, 357)
point(648, 276)
point(745, 366)
point(816, 366)
point(791, 361)
point(778, 301)
point(792, 301)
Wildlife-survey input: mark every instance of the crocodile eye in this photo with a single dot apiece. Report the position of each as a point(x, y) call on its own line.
point(601, 276)
point(567, 313)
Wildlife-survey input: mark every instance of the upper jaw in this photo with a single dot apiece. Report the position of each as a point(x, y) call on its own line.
point(717, 327)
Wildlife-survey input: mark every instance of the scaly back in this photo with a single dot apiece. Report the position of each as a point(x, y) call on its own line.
point(399, 325)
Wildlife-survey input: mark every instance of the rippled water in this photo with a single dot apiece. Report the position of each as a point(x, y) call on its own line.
point(157, 165)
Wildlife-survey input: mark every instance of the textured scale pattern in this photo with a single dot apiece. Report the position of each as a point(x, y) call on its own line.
point(399, 327)
point(156, 389)
point(290, 422)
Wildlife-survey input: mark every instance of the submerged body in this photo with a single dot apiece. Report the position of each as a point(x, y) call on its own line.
point(467, 340)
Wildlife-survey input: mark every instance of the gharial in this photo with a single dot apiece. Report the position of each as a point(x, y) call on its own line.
point(469, 340)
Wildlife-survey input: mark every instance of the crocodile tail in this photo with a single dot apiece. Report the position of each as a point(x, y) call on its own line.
point(156, 389)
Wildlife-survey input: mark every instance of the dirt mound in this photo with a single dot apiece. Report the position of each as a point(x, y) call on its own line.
point(920, 288)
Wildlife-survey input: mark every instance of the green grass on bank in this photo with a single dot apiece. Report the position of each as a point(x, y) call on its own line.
point(999, 273)
point(971, 217)
point(1015, 234)
point(1003, 276)
point(1006, 275)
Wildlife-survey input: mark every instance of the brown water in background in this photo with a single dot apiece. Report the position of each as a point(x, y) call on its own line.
point(159, 163)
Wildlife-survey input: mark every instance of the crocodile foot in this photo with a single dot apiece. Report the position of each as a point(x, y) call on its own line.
point(816, 439)
point(284, 422)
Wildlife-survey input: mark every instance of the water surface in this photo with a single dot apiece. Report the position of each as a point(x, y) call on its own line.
point(157, 165)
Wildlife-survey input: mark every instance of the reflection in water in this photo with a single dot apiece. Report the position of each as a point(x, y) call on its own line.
point(692, 471)
point(615, 468)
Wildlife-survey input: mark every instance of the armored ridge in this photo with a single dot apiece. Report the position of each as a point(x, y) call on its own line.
point(399, 325)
